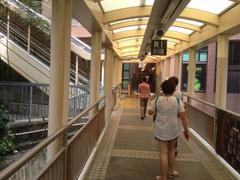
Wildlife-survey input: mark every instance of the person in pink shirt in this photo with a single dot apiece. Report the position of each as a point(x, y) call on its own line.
point(144, 90)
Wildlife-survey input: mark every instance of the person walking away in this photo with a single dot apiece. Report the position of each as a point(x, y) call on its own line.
point(167, 128)
point(144, 90)
point(178, 94)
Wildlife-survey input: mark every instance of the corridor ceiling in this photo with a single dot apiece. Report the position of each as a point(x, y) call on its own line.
point(130, 24)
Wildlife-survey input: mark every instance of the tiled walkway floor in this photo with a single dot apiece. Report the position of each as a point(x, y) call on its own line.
point(128, 151)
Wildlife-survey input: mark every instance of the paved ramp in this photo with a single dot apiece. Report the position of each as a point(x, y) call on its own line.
point(128, 151)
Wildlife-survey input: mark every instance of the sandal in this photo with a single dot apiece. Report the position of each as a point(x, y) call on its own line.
point(174, 174)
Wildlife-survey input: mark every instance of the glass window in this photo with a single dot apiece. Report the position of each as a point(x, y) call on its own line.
point(185, 57)
point(200, 81)
point(203, 56)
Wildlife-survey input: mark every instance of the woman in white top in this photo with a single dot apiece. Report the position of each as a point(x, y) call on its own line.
point(167, 127)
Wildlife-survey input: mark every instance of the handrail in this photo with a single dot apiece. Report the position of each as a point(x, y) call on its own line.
point(214, 106)
point(8, 172)
point(204, 102)
point(25, 158)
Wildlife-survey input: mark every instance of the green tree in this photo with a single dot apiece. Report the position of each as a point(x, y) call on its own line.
point(6, 144)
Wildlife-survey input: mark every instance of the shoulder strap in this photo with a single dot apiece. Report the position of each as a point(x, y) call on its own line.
point(178, 100)
point(156, 105)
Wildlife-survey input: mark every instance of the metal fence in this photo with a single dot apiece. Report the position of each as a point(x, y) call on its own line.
point(68, 163)
point(29, 101)
point(219, 127)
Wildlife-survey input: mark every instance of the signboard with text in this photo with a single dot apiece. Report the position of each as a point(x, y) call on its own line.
point(159, 47)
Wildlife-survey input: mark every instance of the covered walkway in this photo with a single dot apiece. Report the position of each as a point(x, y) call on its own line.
point(128, 151)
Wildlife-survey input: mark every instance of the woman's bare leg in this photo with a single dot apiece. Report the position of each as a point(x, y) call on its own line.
point(163, 159)
point(171, 157)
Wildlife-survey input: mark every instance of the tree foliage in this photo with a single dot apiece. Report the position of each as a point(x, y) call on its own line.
point(6, 144)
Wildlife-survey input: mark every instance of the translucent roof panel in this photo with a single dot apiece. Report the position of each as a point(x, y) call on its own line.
point(126, 29)
point(211, 6)
point(133, 49)
point(125, 20)
point(181, 30)
point(196, 23)
point(143, 26)
point(171, 40)
point(128, 20)
point(149, 2)
point(109, 5)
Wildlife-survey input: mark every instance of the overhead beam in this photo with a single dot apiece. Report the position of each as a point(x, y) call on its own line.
point(128, 34)
point(126, 13)
point(187, 26)
point(171, 39)
point(169, 46)
point(162, 16)
point(177, 35)
point(201, 16)
point(130, 23)
point(229, 24)
point(138, 12)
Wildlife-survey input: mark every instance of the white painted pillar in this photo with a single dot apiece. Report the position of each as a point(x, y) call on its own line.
point(109, 70)
point(95, 65)
point(102, 75)
point(60, 67)
point(118, 70)
point(76, 70)
point(191, 72)
point(158, 80)
point(177, 65)
point(167, 68)
point(222, 71)
point(162, 71)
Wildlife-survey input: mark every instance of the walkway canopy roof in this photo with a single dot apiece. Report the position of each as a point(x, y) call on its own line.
point(130, 24)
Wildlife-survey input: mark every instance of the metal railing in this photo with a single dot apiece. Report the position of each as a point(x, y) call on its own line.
point(29, 101)
point(219, 127)
point(26, 9)
point(32, 45)
point(202, 118)
point(68, 163)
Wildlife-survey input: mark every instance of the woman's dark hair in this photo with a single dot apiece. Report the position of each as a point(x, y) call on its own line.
point(168, 87)
point(144, 79)
point(174, 79)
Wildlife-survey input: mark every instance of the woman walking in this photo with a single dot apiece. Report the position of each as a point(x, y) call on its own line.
point(167, 127)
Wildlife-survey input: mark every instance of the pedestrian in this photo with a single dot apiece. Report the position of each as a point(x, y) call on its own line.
point(167, 127)
point(177, 93)
point(145, 93)
point(179, 96)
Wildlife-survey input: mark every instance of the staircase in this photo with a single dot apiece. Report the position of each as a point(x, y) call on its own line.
point(29, 54)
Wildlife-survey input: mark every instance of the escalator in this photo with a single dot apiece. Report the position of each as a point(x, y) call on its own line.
point(29, 53)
